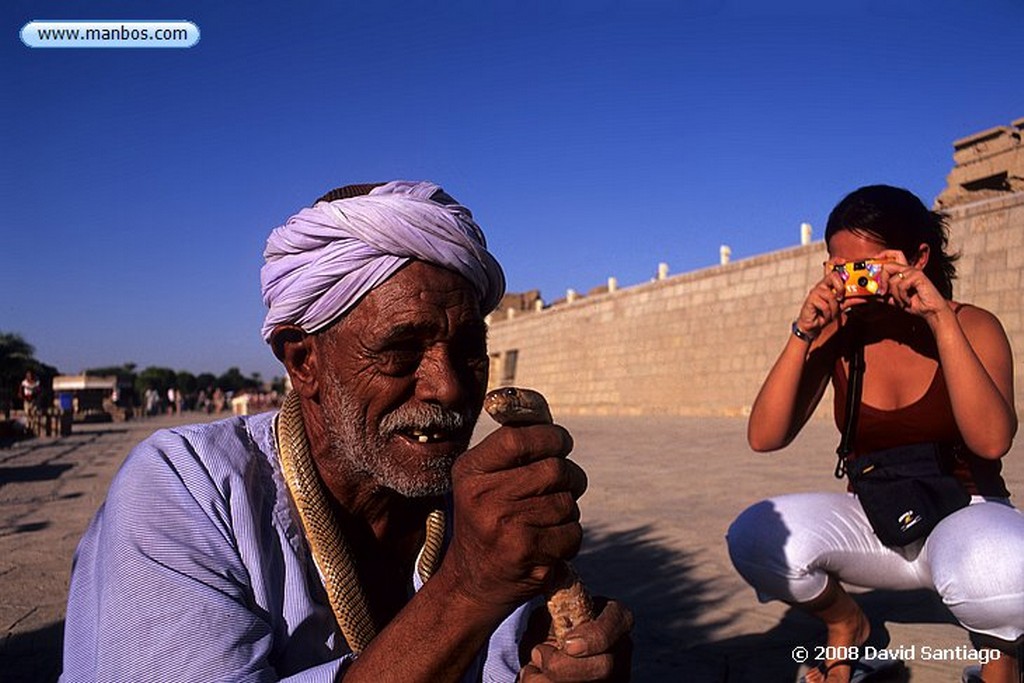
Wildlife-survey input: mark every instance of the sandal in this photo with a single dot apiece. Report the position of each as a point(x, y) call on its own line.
point(862, 670)
point(972, 674)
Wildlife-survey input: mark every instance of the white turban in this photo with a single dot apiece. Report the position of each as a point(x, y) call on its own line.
point(326, 258)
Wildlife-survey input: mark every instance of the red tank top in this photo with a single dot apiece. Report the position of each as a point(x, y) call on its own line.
point(928, 419)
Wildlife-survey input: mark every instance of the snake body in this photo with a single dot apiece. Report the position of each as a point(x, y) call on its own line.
point(326, 538)
point(568, 601)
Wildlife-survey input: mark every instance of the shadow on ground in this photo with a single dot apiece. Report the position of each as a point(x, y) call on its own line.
point(43, 472)
point(679, 615)
point(34, 656)
point(768, 656)
point(675, 610)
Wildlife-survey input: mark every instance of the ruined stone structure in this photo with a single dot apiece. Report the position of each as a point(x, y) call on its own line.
point(700, 343)
point(987, 164)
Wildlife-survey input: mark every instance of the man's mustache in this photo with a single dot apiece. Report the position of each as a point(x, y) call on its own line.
point(425, 417)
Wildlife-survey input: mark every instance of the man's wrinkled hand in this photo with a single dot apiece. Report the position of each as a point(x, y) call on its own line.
point(599, 650)
point(515, 515)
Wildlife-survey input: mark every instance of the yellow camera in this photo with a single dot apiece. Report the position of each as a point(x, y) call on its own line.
point(862, 278)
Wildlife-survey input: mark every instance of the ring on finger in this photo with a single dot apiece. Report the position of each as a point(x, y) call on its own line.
point(901, 275)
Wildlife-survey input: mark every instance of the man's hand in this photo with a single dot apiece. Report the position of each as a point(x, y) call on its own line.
point(599, 650)
point(515, 514)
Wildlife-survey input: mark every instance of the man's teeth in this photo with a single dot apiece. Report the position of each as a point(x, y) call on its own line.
point(427, 438)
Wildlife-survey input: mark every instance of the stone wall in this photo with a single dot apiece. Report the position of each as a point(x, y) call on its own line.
point(990, 238)
point(693, 344)
point(700, 343)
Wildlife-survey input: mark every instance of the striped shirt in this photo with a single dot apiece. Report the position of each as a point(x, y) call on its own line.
point(195, 568)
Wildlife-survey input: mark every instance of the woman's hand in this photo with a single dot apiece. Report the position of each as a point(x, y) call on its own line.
point(909, 289)
point(823, 302)
point(973, 351)
point(797, 380)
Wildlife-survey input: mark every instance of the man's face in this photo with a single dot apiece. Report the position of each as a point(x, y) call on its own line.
point(402, 379)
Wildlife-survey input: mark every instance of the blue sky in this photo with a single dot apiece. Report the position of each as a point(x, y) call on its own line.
point(590, 139)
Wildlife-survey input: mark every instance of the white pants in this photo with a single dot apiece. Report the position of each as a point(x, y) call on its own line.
point(786, 547)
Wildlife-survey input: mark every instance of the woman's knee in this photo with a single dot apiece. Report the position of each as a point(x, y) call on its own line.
point(975, 563)
point(755, 541)
point(757, 532)
point(799, 527)
point(762, 548)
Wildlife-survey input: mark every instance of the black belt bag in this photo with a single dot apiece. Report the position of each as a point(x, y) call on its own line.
point(905, 491)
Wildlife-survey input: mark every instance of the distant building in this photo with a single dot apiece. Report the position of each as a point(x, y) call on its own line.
point(88, 397)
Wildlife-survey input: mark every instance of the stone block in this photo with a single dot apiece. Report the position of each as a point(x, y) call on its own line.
point(1003, 281)
point(990, 221)
point(1005, 239)
point(1015, 258)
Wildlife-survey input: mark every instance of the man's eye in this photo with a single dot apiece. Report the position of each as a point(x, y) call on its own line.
point(400, 359)
point(471, 347)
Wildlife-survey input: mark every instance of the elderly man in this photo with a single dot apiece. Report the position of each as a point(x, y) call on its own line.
point(352, 536)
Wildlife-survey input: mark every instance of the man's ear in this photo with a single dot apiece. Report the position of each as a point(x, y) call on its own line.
point(296, 350)
point(924, 253)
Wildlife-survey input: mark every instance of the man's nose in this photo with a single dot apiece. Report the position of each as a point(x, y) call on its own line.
point(438, 379)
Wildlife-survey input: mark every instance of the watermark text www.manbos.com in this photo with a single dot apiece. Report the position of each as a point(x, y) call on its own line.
point(907, 653)
point(93, 34)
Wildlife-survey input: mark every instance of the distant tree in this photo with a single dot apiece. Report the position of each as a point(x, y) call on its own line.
point(206, 380)
point(14, 349)
point(187, 382)
point(277, 384)
point(125, 373)
point(233, 380)
point(160, 379)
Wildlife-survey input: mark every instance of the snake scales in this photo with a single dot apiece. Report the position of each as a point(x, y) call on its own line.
point(568, 602)
point(325, 536)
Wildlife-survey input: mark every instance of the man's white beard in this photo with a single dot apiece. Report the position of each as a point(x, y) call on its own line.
point(367, 454)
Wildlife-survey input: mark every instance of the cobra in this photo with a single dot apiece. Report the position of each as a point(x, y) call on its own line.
point(568, 600)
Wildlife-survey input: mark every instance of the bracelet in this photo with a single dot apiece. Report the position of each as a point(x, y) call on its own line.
point(801, 335)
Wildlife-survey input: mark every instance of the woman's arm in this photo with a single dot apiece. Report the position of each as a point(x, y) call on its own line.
point(797, 381)
point(978, 367)
point(789, 395)
point(975, 357)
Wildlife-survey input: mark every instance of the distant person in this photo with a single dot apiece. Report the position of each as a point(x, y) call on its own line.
point(936, 371)
point(414, 557)
point(202, 399)
point(152, 398)
point(219, 400)
point(30, 391)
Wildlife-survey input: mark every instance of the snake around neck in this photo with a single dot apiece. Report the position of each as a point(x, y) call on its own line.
point(331, 552)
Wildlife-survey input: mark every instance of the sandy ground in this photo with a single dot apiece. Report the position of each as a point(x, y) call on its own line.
point(663, 491)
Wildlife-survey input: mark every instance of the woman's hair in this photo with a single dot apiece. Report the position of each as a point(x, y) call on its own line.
point(897, 218)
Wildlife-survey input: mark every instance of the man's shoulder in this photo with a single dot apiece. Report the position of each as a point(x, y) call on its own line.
point(248, 430)
point(221, 450)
